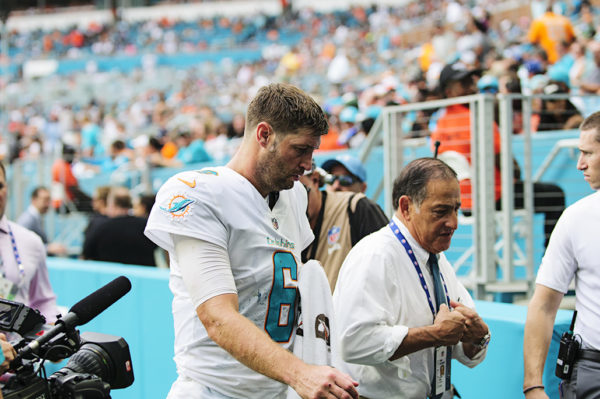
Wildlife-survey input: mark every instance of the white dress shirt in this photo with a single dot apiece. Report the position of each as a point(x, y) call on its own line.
point(378, 297)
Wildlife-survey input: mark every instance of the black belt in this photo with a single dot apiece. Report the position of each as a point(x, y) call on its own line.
point(589, 354)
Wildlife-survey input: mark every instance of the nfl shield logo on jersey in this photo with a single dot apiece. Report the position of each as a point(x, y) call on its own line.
point(333, 235)
point(275, 223)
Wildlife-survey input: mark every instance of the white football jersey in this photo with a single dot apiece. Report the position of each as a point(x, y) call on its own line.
point(221, 206)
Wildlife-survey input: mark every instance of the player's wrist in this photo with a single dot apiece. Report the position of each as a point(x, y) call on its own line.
point(295, 373)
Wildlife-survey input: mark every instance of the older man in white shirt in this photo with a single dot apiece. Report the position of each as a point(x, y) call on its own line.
point(402, 315)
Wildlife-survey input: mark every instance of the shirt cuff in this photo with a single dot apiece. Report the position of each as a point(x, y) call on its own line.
point(458, 353)
point(398, 333)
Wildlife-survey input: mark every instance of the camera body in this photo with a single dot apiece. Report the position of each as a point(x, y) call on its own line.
point(97, 362)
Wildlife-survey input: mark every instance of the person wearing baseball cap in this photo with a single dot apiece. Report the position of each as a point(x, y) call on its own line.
point(457, 72)
point(345, 173)
point(453, 131)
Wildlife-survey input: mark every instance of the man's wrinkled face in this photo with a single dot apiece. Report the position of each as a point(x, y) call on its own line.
point(436, 219)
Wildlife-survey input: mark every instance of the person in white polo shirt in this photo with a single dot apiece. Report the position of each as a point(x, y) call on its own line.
point(573, 253)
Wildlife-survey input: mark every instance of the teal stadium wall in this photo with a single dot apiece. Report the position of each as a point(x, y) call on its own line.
point(143, 317)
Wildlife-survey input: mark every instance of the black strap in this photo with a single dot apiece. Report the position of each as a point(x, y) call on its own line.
point(589, 354)
point(317, 232)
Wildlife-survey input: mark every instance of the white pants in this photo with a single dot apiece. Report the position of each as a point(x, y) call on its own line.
point(186, 388)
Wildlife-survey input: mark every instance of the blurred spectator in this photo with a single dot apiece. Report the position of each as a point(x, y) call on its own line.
point(443, 44)
point(121, 237)
point(235, 128)
point(488, 84)
point(585, 28)
point(90, 137)
point(557, 113)
point(152, 153)
point(345, 173)
point(453, 131)
point(99, 204)
point(331, 141)
point(33, 219)
point(350, 134)
point(190, 150)
point(23, 262)
point(143, 204)
point(549, 31)
point(590, 80)
point(119, 155)
point(66, 185)
point(453, 126)
point(579, 62)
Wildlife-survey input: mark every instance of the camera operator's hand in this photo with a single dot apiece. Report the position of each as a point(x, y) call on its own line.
point(8, 353)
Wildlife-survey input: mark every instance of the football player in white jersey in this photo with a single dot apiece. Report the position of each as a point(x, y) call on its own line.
point(234, 236)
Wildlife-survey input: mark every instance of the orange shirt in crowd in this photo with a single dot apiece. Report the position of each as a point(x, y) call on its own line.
point(453, 131)
point(330, 141)
point(426, 56)
point(169, 150)
point(62, 173)
point(549, 31)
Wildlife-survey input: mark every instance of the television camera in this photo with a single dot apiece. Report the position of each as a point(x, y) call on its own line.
point(97, 362)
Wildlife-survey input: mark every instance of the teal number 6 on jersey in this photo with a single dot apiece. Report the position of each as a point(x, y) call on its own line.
point(281, 315)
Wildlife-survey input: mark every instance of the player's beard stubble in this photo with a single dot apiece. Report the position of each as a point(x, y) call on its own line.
point(274, 172)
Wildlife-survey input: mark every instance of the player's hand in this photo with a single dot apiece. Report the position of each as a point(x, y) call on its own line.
point(536, 394)
point(9, 353)
point(450, 326)
point(476, 328)
point(319, 382)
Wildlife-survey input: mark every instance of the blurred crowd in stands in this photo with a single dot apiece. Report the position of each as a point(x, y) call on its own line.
point(354, 61)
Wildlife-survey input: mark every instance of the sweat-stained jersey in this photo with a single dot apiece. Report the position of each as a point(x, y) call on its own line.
point(220, 206)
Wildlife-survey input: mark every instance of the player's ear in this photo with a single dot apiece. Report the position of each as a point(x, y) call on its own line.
point(263, 134)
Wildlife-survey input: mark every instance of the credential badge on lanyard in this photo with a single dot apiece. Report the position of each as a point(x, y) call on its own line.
point(8, 289)
point(442, 355)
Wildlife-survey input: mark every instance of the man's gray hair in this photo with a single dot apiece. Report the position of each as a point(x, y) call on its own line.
point(415, 176)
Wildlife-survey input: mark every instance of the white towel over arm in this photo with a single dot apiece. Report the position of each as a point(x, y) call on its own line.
point(316, 322)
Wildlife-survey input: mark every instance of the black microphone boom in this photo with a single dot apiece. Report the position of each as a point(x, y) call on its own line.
point(99, 300)
point(82, 312)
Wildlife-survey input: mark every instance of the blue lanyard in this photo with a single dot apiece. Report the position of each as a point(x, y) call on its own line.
point(411, 255)
point(17, 257)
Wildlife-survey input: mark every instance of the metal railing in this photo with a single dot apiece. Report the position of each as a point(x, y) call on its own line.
point(500, 239)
